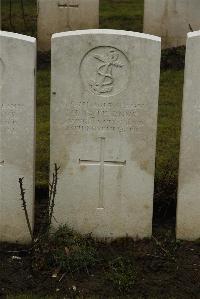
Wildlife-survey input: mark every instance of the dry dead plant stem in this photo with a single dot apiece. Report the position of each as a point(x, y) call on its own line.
point(22, 191)
point(159, 245)
point(52, 192)
point(190, 27)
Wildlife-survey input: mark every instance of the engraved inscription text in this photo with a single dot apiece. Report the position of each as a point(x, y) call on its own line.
point(107, 116)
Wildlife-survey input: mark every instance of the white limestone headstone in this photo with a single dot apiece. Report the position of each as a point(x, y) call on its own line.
point(17, 133)
point(188, 210)
point(103, 130)
point(171, 20)
point(64, 15)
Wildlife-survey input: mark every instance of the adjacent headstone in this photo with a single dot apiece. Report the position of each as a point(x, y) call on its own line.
point(64, 15)
point(171, 20)
point(103, 130)
point(0, 15)
point(17, 129)
point(188, 213)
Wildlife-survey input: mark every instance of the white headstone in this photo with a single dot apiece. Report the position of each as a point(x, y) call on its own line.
point(103, 130)
point(17, 129)
point(171, 20)
point(188, 213)
point(64, 15)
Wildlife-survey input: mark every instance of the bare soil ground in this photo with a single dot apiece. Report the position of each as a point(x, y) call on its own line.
point(163, 268)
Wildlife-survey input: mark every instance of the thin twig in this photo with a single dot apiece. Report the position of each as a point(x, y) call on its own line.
point(51, 185)
point(190, 27)
point(63, 275)
point(22, 190)
point(159, 244)
point(54, 191)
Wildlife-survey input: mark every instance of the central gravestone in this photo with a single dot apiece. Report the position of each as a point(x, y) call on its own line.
point(103, 130)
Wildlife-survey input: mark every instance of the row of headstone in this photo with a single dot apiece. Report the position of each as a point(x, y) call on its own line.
point(105, 87)
point(171, 20)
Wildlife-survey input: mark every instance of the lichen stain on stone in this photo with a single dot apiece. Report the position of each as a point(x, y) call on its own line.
point(71, 172)
point(64, 157)
point(146, 207)
point(144, 165)
point(83, 167)
point(142, 161)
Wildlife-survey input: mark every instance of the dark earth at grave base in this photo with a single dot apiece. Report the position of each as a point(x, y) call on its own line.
point(163, 268)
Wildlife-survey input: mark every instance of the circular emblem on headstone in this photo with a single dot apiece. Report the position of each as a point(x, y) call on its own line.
point(105, 71)
point(2, 69)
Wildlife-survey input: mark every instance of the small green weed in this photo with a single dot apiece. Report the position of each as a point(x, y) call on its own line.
point(65, 251)
point(122, 274)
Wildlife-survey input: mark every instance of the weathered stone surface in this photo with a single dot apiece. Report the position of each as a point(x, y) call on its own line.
point(64, 15)
point(103, 130)
point(188, 213)
point(171, 20)
point(17, 129)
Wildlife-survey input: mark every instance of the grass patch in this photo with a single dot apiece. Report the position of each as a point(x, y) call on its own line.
point(122, 274)
point(19, 19)
point(126, 14)
point(42, 127)
point(65, 251)
point(168, 141)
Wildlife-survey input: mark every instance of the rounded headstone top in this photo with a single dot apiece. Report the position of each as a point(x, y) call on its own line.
point(17, 36)
point(107, 31)
point(193, 34)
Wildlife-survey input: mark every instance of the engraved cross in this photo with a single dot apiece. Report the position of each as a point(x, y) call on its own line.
point(68, 4)
point(102, 163)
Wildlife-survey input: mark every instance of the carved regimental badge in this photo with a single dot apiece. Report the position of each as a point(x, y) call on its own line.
point(105, 71)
